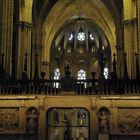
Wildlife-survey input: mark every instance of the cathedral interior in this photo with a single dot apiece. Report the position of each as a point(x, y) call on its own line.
point(70, 70)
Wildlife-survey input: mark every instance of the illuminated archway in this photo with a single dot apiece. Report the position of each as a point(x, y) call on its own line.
point(96, 12)
point(85, 39)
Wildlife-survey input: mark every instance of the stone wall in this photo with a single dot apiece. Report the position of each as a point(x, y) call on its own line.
point(27, 114)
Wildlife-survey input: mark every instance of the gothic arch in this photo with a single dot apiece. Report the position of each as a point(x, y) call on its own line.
point(55, 20)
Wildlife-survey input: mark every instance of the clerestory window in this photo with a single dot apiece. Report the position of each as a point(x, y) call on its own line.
point(70, 37)
point(56, 77)
point(106, 73)
point(82, 76)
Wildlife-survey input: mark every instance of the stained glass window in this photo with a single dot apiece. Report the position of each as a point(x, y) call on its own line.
point(70, 37)
point(91, 37)
point(82, 76)
point(106, 72)
point(81, 36)
point(56, 77)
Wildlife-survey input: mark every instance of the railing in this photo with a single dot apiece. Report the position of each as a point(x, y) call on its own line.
point(18, 137)
point(79, 87)
point(124, 137)
point(29, 87)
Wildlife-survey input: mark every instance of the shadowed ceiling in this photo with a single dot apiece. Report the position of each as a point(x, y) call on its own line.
point(43, 7)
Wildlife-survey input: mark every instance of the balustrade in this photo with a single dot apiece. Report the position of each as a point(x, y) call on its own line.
point(79, 87)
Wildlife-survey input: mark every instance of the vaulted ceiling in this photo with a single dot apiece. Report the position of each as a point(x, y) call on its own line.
point(54, 15)
point(43, 7)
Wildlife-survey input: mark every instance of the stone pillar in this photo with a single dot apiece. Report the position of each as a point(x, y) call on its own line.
point(24, 46)
point(24, 36)
point(113, 117)
point(6, 32)
point(134, 46)
point(75, 41)
point(1, 13)
point(130, 42)
point(22, 117)
point(93, 124)
point(120, 60)
point(138, 25)
point(42, 121)
point(93, 119)
point(120, 50)
point(87, 40)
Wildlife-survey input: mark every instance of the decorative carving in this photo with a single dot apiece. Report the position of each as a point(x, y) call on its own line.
point(129, 120)
point(103, 117)
point(32, 120)
point(9, 119)
point(25, 24)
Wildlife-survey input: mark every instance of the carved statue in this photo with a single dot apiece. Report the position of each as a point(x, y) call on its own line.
point(103, 121)
point(32, 120)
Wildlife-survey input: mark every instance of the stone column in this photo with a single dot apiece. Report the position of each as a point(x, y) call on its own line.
point(120, 50)
point(75, 41)
point(2, 3)
point(134, 46)
point(113, 117)
point(130, 44)
point(120, 59)
point(24, 46)
point(93, 124)
point(6, 33)
point(138, 25)
point(22, 117)
point(24, 35)
point(86, 40)
point(93, 119)
point(42, 121)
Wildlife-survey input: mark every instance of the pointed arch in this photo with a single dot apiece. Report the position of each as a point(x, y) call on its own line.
point(96, 12)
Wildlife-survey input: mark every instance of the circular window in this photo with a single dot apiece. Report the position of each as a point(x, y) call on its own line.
point(81, 36)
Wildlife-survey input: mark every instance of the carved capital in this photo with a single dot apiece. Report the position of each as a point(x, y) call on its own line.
point(22, 103)
point(41, 103)
point(45, 63)
point(23, 24)
point(130, 21)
